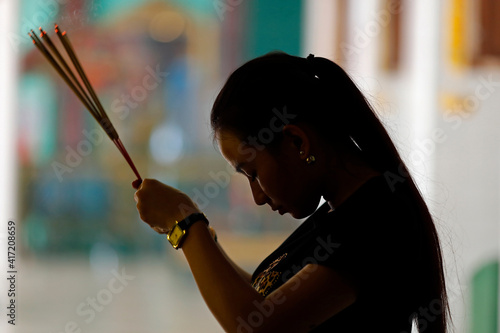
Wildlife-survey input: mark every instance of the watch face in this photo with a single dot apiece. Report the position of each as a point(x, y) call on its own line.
point(175, 236)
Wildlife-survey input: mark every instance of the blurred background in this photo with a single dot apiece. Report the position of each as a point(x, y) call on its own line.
point(84, 260)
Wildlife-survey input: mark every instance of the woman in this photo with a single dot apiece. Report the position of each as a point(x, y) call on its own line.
point(368, 260)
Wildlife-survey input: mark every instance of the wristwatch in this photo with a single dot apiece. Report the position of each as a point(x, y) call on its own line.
point(177, 234)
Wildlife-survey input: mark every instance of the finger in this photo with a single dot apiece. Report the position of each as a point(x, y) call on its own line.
point(136, 198)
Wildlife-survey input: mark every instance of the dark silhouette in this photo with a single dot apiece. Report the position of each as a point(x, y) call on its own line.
point(320, 94)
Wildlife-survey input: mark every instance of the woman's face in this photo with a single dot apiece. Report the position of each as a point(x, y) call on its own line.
point(283, 180)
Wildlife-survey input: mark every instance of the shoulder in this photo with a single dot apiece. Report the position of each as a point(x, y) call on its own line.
point(377, 203)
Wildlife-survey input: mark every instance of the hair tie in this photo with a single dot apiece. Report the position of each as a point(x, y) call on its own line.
point(310, 65)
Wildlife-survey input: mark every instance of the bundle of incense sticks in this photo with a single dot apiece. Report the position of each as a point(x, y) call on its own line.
point(87, 97)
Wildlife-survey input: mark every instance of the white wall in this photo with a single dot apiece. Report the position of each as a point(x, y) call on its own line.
point(8, 194)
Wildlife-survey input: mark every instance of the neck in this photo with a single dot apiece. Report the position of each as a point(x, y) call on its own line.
point(345, 180)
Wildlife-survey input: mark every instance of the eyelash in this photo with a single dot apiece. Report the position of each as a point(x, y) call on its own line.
point(253, 177)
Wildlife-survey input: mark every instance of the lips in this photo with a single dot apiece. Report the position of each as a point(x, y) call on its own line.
point(280, 210)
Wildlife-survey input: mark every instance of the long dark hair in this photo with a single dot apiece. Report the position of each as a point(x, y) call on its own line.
point(319, 93)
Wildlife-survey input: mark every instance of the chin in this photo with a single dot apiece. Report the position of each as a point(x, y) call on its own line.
point(304, 211)
point(299, 216)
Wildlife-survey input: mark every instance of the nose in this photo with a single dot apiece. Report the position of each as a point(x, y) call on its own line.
point(259, 196)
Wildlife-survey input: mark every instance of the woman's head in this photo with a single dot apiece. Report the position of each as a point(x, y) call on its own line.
point(277, 110)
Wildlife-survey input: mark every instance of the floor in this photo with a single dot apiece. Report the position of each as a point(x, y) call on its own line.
point(107, 292)
point(72, 295)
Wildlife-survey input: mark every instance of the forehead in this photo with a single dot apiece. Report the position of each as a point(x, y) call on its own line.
point(230, 147)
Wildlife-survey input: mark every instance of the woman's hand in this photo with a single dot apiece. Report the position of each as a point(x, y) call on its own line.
point(160, 205)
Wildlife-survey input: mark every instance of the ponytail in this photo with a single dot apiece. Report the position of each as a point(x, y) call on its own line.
point(362, 125)
point(355, 117)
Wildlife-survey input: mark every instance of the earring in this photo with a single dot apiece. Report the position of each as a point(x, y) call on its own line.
point(311, 159)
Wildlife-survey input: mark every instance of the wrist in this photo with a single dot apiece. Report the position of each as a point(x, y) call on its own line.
point(181, 229)
point(213, 233)
point(198, 238)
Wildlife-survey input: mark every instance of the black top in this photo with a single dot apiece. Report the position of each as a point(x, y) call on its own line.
point(373, 238)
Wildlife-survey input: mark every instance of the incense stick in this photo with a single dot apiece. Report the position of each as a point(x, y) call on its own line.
point(91, 102)
point(69, 72)
point(125, 154)
point(69, 50)
point(59, 70)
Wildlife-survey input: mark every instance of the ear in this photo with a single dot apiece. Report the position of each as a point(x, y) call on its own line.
point(299, 140)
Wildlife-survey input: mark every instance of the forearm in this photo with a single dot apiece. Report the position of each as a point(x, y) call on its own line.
point(226, 291)
point(244, 274)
